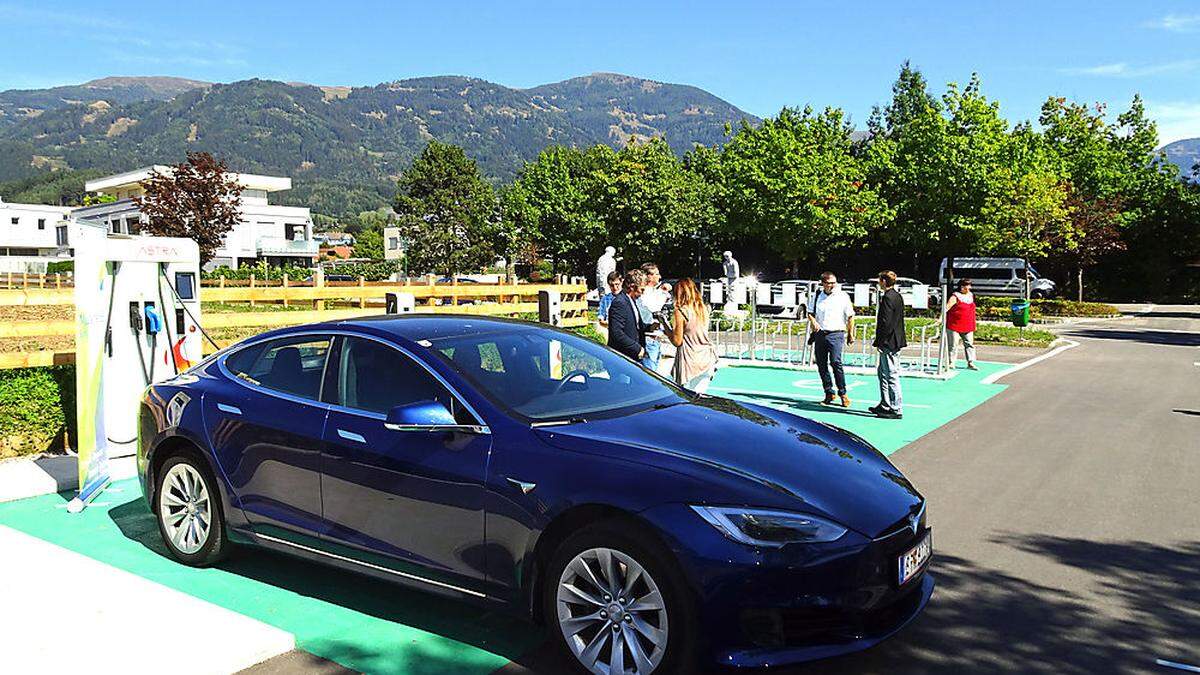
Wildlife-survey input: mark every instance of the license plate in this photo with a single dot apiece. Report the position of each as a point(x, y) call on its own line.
point(913, 560)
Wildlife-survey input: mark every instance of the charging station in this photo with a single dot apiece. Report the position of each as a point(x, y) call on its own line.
point(137, 305)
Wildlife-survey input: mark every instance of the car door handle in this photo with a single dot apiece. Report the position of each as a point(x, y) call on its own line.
point(231, 409)
point(351, 436)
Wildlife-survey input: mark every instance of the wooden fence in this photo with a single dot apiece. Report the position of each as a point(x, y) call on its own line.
point(328, 303)
point(23, 280)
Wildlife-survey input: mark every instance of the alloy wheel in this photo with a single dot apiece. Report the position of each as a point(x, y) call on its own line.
point(612, 613)
point(185, 510)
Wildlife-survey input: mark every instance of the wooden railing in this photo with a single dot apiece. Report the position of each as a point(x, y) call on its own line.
point(23, 280)
point(327, 302)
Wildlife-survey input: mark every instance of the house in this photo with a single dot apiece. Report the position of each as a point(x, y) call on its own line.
point(32, 236)
point(280, 235)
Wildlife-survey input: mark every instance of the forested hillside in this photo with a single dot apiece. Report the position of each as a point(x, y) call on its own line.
point(344, 146)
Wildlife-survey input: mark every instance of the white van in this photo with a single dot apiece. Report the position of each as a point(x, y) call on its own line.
point(1000, 276)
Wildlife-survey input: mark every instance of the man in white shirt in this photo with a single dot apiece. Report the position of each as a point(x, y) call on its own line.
point(832, 320)
point(653, 298)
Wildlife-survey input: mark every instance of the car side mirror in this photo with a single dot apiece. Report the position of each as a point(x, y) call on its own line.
point(427, 416)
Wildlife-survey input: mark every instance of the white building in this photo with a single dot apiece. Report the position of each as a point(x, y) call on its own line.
point(31, 236)
point(281, 235)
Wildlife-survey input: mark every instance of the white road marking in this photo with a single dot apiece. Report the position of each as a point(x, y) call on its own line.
point(991, 379)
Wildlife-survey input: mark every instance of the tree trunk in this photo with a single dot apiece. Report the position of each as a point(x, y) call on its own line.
point(1079, 281)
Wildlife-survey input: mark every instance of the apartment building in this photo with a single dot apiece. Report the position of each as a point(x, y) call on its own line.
point(280, 235)
point(32, 236)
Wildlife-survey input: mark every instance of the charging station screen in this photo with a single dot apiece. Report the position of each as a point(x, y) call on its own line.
point(185, 285)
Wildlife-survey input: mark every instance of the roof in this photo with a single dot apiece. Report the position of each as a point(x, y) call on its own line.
point(417, 327)
point(248, 181)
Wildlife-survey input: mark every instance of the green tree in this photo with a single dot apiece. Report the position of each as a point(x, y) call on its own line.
point(197, 199)
point(554, 195)
point(794, 184)
point(446, 211)
point(653, 206)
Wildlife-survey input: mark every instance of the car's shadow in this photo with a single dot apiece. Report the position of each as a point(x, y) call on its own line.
point(981, 618)
point(499, 633)
point(796, 403)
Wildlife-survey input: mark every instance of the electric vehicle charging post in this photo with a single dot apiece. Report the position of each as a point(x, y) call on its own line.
point(137, 307)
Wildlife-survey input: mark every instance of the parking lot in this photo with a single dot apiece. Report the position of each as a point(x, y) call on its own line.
point(1062, 499)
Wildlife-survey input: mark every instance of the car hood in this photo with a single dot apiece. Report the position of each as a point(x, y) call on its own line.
point(806, 464)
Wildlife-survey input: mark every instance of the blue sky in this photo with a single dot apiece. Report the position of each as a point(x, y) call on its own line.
point(758, 55)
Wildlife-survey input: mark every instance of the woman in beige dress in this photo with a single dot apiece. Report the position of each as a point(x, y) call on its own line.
point(695, 357)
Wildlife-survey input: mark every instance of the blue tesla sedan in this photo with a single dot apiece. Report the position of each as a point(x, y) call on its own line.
point(652, 529)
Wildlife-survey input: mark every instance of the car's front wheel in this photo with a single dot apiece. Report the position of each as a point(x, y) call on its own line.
point(188, 510)
point(614, 604)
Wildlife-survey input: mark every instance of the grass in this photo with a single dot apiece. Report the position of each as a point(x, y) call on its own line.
point(242, 307)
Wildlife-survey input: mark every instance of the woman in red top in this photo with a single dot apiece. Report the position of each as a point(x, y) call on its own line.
point(960, 323)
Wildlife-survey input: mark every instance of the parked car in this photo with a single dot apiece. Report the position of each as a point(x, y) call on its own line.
point(1001, 276)
point(524, 467)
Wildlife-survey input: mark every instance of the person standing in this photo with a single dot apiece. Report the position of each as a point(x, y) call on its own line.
point(654, 298)
point(605, 265)
point(889, 340)
point(613, 286)
point(695, 356)
point(960, 323)
point(626, 332)
point(832, 321)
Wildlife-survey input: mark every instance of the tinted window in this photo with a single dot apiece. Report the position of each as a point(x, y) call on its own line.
point(292, 365)
point(375, 377)
point(544, 375)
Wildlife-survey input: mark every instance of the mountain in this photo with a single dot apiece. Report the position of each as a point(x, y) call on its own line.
point(352, 138)
point(18, 104)
point(1185, 154)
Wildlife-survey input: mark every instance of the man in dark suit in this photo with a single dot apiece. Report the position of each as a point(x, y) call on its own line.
point(626, 332)
point(889, 340)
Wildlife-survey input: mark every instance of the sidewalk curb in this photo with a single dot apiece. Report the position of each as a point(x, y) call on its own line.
point(32, 477)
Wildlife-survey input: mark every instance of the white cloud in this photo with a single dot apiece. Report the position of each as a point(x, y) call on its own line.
point(1176, 119)
point(1126, 70)
point(1176, 23)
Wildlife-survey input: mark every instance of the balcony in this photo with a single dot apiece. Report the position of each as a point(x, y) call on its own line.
point(283, 246)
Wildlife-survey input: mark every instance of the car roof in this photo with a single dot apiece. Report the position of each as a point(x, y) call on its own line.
point(417, 327)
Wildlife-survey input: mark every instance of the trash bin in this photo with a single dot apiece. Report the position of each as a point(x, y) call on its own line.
point(1020, 313)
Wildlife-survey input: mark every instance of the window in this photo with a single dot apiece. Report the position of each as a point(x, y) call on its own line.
point(16, 220)
point(60, 235)
point(41, 223)
point(293, 365)
point(543, 375)
point(375, 377)
point(133, 225)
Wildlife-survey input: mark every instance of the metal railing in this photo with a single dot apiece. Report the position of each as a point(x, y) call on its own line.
point(745, 336)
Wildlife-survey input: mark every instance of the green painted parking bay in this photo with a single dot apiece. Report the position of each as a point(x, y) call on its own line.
point(377, 627)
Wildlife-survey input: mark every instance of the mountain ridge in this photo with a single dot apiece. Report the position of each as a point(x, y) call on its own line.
point(336, 135)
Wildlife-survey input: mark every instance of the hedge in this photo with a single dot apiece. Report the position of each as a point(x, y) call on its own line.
point(37, 409)
point(372, 271)
point(1001, 308)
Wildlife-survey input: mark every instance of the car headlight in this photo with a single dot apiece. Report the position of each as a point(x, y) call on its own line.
point(762, 527)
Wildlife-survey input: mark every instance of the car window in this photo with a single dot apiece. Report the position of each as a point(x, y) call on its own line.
point(375, 377)
point(551, 375)
point(292, 365)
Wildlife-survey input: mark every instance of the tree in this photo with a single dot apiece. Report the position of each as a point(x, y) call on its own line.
point(555, 195)
point(794, 184)
point(1091, 234)
point(653, 206)
point(446, 211)
point(197, 199)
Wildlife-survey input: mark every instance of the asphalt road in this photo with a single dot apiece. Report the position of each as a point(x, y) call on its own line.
point(1066, 515)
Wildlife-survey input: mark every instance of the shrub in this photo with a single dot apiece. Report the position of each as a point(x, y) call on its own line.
point(37, 409)
point(60, 267)
point(1001, 308)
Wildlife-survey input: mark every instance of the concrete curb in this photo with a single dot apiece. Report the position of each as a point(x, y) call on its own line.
point(32, 477)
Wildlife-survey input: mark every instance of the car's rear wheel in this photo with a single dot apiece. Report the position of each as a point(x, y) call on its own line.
point(189, 514)
point(612, 602)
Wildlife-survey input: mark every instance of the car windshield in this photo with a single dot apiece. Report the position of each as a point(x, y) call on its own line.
point(542, 375)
